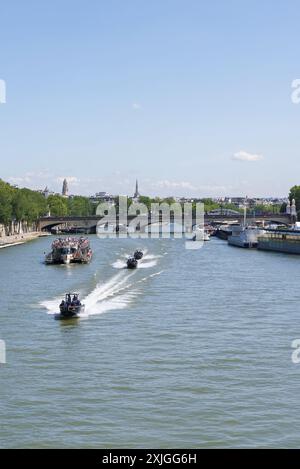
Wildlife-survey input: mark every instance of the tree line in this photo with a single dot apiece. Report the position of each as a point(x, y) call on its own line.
point(25, 205)
point(20, 204)
point(295, 194)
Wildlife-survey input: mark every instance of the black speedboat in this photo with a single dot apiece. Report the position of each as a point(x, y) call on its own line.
point(132, 263)
point(138, 254)
point(70, 307)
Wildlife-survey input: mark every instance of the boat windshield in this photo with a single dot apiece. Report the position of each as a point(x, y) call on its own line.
point(66, 251)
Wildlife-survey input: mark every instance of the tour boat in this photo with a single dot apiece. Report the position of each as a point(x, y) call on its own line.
point(70, 250)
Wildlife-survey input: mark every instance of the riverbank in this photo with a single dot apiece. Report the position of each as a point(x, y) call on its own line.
point(14, 240)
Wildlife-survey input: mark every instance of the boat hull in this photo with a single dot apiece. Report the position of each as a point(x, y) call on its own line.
point(70, 312)
point(279, 246)
point(242, 244)
point(223, 234)
point(62, 317)
point(132, 264)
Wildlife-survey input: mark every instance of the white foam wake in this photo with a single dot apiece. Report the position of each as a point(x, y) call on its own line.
point(147, 261)
point(116, 293)
point(146, 265)
point(104, 291)
point(119, 264)
point(52, 305)
point(151, 256)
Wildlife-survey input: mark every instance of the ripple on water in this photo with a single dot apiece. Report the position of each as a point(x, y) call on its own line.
point(194, 349)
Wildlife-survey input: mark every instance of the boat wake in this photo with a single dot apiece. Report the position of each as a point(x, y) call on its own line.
point(147, 261)
point(52, 305)
point(116, 293)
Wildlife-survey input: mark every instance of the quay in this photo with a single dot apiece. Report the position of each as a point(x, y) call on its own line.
point(16, 239)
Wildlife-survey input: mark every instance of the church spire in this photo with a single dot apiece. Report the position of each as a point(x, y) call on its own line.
point(136, 194)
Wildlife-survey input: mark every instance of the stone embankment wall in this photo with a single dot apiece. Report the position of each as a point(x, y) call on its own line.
point(17, 228)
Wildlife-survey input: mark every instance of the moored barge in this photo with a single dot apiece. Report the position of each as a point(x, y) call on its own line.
point(287, 241)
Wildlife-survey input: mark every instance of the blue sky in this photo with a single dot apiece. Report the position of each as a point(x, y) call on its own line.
point(191, 97)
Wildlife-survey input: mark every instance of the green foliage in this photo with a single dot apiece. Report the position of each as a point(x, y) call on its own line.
point(6, 197)
point(295, 194)
point(267, 208)
point(208, 205)
point(79, 206)
point(169, 200)
point(150, 200)
point(20, 204)
point(146, 201)
point(58, 206)
point(27, 205)
point(282, 208)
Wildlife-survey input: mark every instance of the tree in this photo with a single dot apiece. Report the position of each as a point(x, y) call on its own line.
point(209, 205)
point(283, 208)
point(146, 201)
point(295, 194)
point(6, 195)
point(5, 208)
point(58, 205)
point(79, 206)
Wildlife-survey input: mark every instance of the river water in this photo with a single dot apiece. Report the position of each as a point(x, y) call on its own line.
point(192, 349)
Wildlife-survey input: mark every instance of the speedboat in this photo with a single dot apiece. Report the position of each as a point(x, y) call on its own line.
point(138, 254)
point(132, 263)
point(70, 307)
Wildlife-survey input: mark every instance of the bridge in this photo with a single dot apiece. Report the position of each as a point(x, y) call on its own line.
point(89, 223)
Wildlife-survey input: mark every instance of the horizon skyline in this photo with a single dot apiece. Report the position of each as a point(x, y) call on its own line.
point(59, 189)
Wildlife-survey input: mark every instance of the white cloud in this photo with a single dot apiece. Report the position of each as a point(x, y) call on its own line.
point(29, 178)
point(136, 106)
point(214, 189)
point(16, 180)
point(245, 156)
point(166, 184)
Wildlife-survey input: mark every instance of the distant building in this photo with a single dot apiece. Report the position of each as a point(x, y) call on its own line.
point(65, 188)
point(46, 192)
point(136, 194)
point(184, 200)
point(102, 197)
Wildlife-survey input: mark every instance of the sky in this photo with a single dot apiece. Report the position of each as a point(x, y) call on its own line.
point(191, 97)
